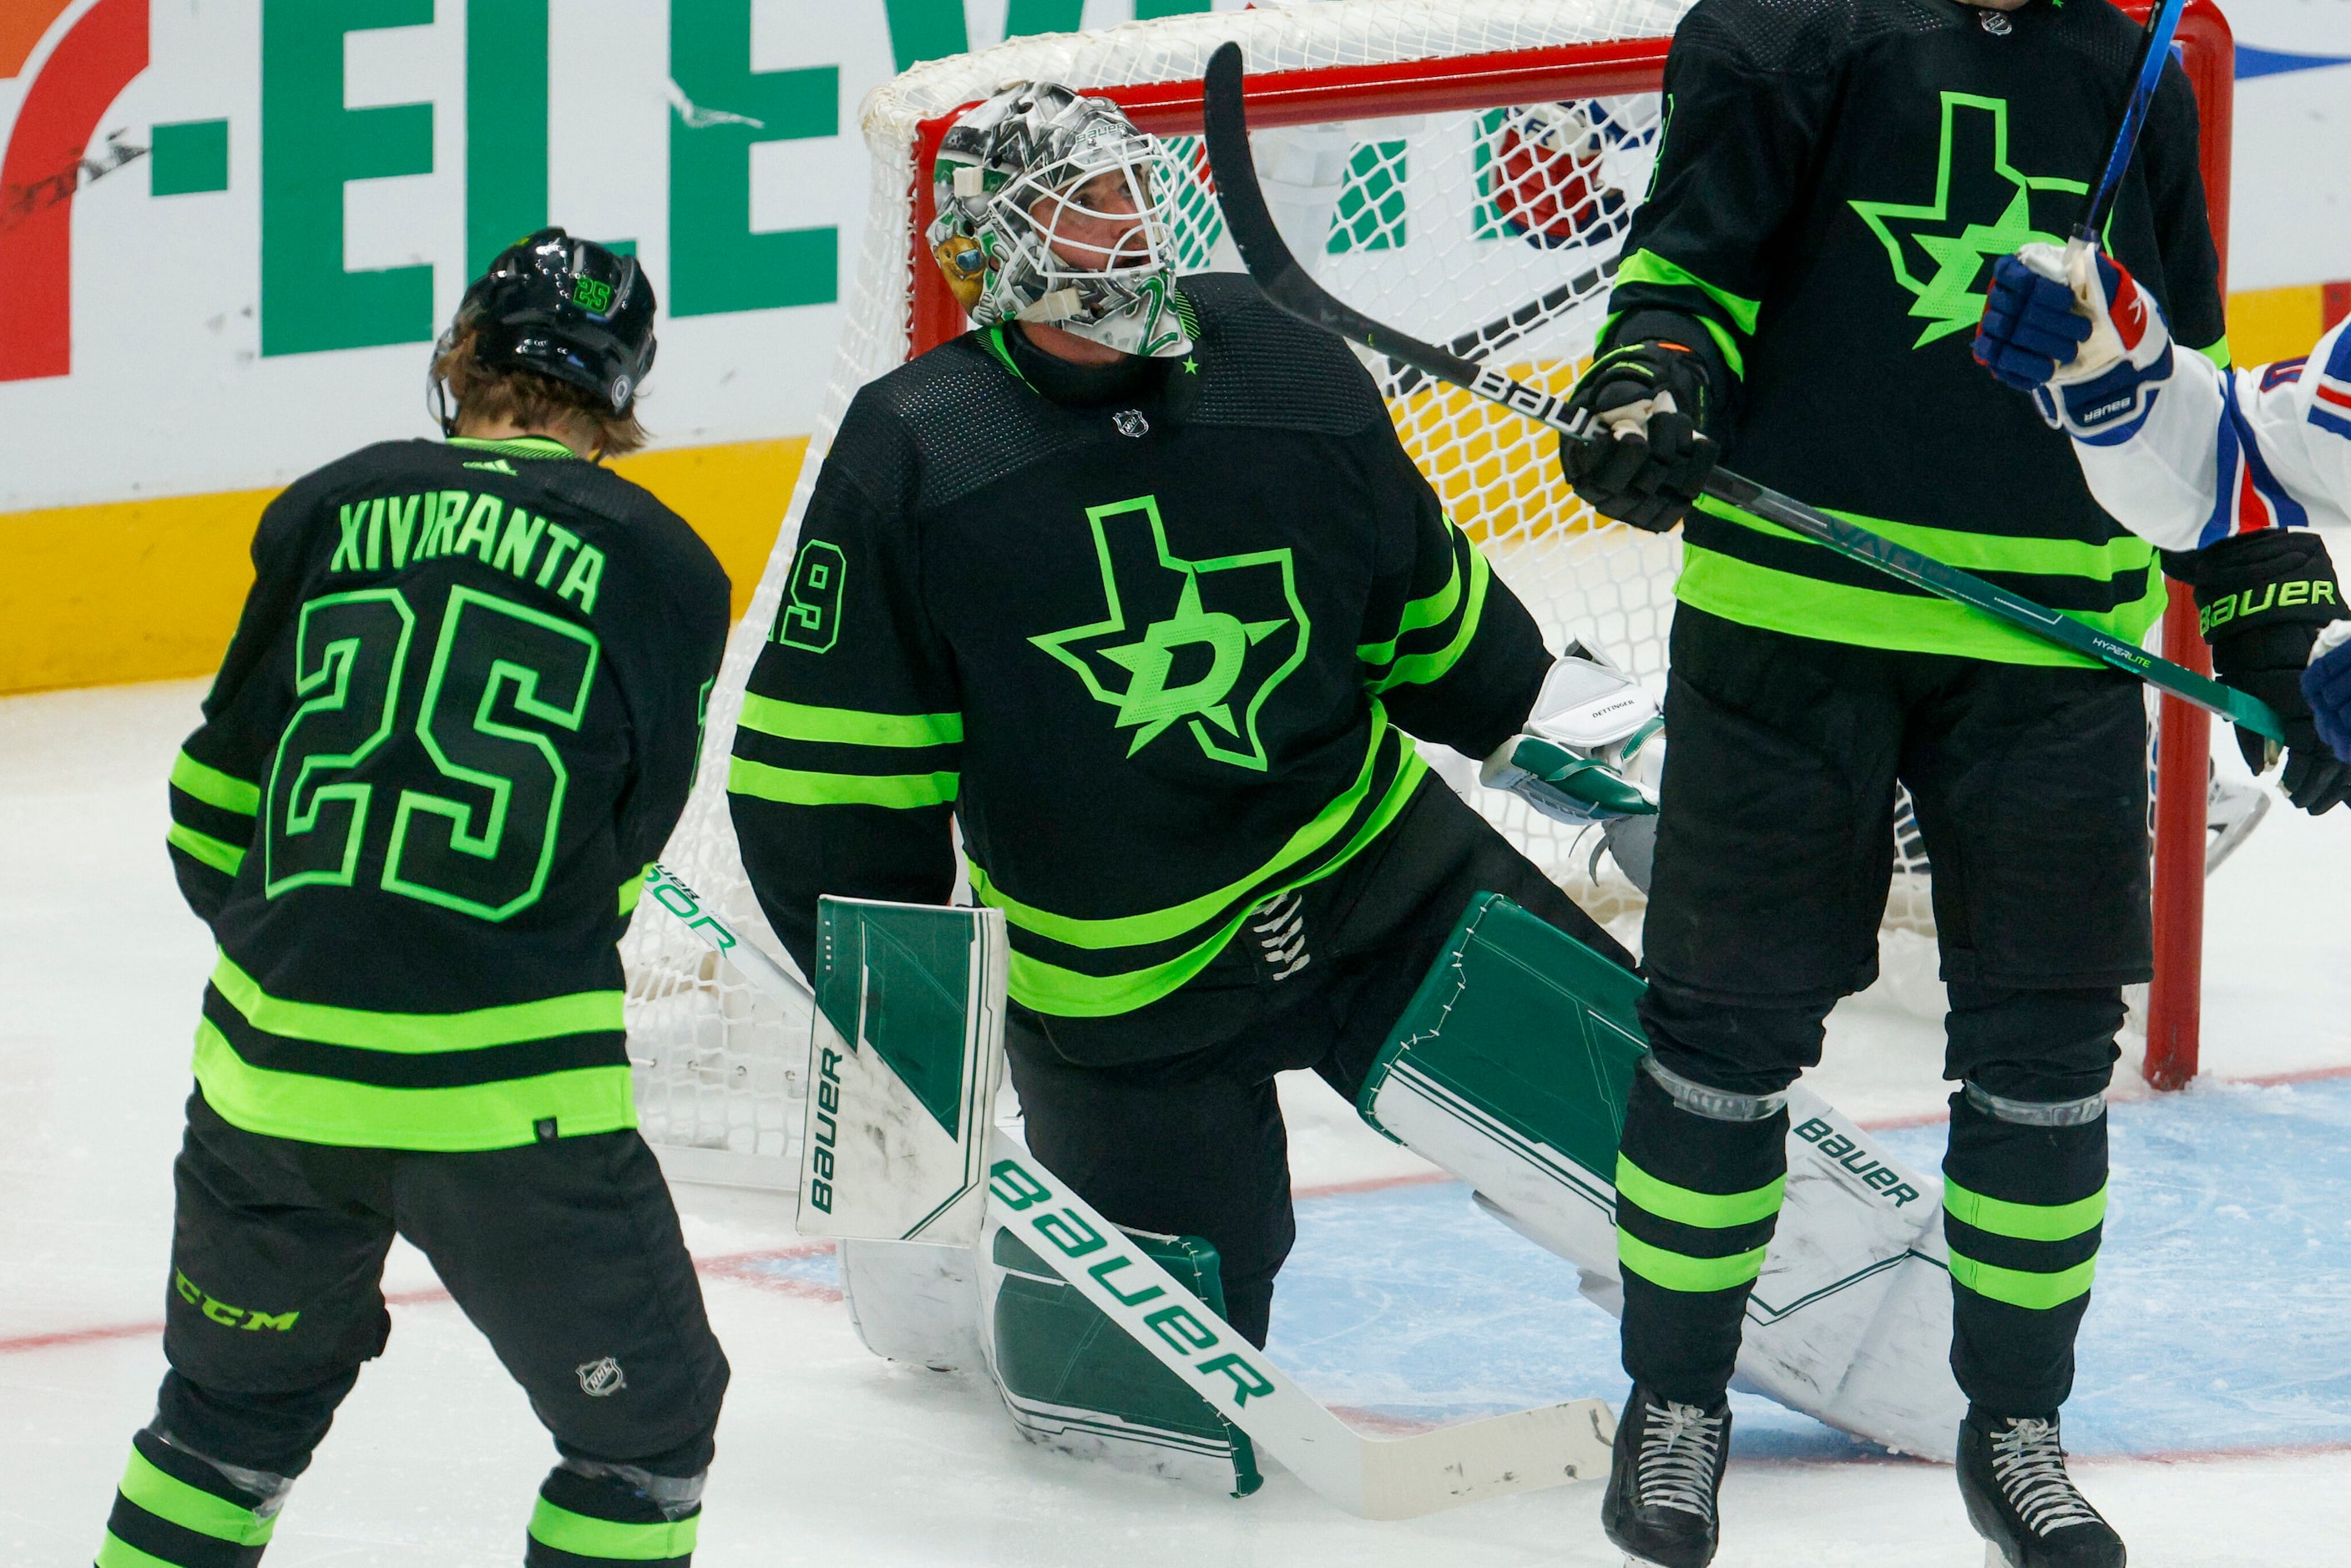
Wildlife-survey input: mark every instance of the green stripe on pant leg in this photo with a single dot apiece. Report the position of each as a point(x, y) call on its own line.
point(584, 1535)
point(168, 1497)
point(1679, 1272)
point(115, 1553)
point(2024, 1221)
point(1686, 1205)
point(2021, 1288)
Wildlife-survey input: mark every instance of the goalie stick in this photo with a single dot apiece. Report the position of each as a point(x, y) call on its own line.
point(1283, 281)
point(1370, 1477)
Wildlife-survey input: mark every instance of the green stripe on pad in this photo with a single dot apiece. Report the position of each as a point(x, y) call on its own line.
point(2020, 1287)
point(191, 1507)
point(582, 1012)
point(852, 727)
point(214, 852)
point(1688, 1205)
point(2024, 1221)
point(460, 1120)
point(1679, 1272)
point(214, 788)
point(584, 1535)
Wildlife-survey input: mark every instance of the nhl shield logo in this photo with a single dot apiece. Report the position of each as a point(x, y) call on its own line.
point(601, 1379)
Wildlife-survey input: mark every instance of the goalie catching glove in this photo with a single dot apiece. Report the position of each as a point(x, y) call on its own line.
point(1589, 751)
point(2262, 599)
point(2070, 325)
point(1643, 458)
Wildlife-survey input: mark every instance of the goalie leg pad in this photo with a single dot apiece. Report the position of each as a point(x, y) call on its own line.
point(1074, 1382)
point(914, 1302)
point(1513, 1068)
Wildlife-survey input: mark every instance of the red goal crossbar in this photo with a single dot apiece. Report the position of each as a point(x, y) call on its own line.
point(2207, 51)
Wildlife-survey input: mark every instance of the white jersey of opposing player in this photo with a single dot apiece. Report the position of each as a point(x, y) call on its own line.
point(2227, 452)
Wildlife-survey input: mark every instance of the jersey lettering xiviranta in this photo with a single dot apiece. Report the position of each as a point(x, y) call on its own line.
point(1156, 657)
point(460, 714)
point(1837, 178)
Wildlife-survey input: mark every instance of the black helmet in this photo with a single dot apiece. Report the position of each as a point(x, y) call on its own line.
point(566, 308)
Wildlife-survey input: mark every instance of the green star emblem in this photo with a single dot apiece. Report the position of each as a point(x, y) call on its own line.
point(1221, 625)
point(1983, 210)
point(1191, 366)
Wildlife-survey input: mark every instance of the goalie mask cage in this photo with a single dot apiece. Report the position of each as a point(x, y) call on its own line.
point(1463, 170)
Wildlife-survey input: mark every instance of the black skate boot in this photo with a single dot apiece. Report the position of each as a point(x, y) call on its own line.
point(1663, 1482)
point(2021, 1500)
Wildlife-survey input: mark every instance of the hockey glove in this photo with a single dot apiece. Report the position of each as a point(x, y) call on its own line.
point(2326, 687)
point(2263, 598)
point(1643, 460)
point(2073, 327)
point(1589, 752)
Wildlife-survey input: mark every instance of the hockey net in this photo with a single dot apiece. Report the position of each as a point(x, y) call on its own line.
point(1464, 171)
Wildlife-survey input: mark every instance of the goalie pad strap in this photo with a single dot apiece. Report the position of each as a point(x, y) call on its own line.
point(1714, 1105)
point(2030, 1113)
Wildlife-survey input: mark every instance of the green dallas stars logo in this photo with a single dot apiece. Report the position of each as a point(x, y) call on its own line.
point(1974, 180)
point(1221, 623)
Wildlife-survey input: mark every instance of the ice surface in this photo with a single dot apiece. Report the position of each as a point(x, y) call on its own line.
point(2220, 1322)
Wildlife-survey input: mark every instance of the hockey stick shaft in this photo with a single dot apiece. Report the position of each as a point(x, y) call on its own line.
point(664, 887)
point(2154, 51)
point(1284, 282)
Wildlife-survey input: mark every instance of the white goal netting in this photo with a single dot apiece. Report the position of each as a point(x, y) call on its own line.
point(1494, 227)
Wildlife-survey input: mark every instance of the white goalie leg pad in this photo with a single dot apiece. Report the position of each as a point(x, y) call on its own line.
point(1511, 1069)
point(915, 1303)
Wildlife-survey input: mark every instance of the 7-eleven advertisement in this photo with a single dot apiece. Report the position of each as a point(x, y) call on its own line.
point(230, 231)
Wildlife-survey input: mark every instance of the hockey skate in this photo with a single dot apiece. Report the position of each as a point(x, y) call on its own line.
point(2021, 1500)
point(1663, 1481)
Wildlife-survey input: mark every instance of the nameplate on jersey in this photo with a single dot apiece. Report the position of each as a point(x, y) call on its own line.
point(904, 1064)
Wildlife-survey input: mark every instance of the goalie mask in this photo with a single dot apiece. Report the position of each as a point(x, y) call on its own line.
point(1054, 208)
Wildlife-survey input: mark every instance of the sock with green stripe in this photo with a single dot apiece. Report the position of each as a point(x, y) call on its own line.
point(179, 1509)
point(2024, 1200)
point(591, 1513)
point(1700, 1176)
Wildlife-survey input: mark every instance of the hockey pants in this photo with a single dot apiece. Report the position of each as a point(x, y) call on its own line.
point(1192, 1143)
point(1772, 868)
point(565, 1254)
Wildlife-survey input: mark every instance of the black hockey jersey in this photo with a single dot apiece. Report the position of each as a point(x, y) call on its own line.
point(460, 714)
point(1156, 657)
point(1837, 178)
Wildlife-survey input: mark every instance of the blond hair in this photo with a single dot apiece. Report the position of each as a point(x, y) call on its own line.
point(526, 397)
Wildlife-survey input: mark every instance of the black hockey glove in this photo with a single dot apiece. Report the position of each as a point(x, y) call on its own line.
point(2262, 598)
point(1645, 459)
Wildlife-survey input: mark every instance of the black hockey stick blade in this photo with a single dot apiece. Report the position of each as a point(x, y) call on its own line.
point(1277, 273)
point(1283, 281)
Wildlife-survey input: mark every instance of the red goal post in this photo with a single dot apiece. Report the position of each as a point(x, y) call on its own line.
point(1587, 71)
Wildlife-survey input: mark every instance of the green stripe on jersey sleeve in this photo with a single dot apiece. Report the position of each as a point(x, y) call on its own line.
point(214, 788)
point(219, 855)
point(853, 726)
point(1420, 669)
point(799, 787)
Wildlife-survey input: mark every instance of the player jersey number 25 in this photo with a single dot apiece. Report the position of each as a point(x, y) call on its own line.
point(503, 680)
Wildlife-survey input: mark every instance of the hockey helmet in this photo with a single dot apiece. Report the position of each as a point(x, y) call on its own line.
point(1052, 207)
point(568, 309)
